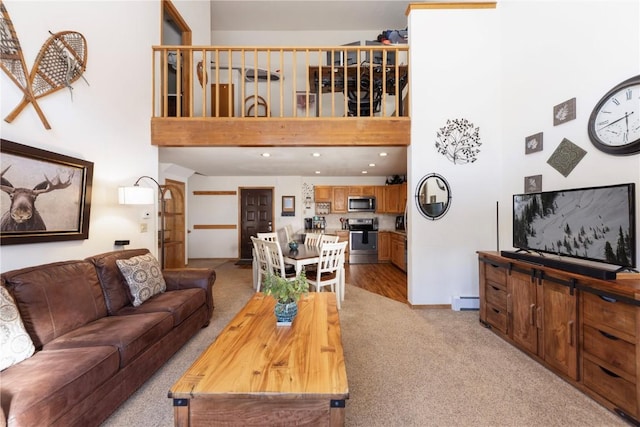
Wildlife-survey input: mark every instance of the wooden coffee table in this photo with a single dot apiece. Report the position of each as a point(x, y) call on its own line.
point(258, 374)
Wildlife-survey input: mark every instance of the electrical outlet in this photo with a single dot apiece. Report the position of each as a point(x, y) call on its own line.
point(143, 227)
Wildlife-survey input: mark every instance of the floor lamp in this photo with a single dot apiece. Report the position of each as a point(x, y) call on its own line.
point(137, 195)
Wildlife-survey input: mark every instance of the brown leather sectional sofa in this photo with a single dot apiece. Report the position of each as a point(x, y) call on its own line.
point(93, 348)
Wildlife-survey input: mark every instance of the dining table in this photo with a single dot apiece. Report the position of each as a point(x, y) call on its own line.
point(303, 255)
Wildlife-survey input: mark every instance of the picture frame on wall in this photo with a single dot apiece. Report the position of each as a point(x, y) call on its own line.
point(533, 143)
point(564, 112)
point(288, 205)
point(533, 184)
point(305, 104)
point(46, 196)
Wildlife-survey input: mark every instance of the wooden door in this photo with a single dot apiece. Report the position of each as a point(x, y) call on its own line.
point(173, 23)
point(256, 216)
point(174, 224)
point(522, 295)
point(223, 96)
point(339, 200)
point(560, 328)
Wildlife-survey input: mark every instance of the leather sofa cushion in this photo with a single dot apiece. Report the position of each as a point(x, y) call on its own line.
point(181, 304)
point(56, 298)
point(116, 290)
point(42, 388)
point(131, 335)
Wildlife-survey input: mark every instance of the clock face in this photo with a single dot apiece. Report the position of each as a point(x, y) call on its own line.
point(614, 125)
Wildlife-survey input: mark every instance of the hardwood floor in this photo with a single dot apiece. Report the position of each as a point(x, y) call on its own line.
point(383, 279)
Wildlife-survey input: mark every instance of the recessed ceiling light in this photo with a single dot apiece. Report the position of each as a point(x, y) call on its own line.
point(316, 154)
point(266, 155)
point(317, 172)
point(383, 154)
point(365, 172)
point(372, 165)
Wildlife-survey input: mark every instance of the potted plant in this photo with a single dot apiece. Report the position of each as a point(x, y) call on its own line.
point(286, 292)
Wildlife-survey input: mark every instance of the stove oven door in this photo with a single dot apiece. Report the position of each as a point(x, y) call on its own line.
point(363, 247)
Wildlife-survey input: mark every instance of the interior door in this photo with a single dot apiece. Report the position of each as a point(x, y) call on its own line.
point(256, 216)
point(176, 31)
point(174, 224)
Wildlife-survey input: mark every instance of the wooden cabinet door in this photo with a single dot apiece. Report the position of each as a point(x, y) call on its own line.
point(402, 197)
point(392, 198)
point(522, 307)
point(322, 193)
point(384, 246)
point(355, 190)
point(339, 202)
point(397, 252)
point(560, 328)
point(379, 192)
point(368, 190)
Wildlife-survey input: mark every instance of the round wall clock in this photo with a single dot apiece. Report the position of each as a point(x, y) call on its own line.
point(614, 124)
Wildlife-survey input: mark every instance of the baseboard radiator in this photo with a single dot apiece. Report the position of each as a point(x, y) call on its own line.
point(465, 303)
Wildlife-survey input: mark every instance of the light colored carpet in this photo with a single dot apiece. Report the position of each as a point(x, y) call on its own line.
point(405, 367)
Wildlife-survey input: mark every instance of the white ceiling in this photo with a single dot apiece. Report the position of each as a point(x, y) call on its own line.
point(301, 15)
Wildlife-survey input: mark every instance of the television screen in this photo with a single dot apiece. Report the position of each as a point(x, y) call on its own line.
point(596, 223)
point(338, 56)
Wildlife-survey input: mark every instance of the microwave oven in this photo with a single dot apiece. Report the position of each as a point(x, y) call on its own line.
point(361, 204)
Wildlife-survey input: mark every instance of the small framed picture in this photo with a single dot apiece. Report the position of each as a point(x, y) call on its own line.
point(533, 143)
point(288, 205)
point(533, 184)
point(305, 104)
point(564, 112)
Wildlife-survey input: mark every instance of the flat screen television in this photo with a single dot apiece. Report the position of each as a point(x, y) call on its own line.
point(595, 224)
point(338, 56)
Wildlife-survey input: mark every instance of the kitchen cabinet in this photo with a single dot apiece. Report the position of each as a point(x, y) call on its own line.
point(379, 192)
point(339, 200)
point(395, 198)
point(398, 251)
point(322, 193)
point(582, 328)
point(384, 246)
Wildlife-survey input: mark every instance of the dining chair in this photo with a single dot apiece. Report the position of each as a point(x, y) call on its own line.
point(270, 236)
point(312, 239)
point(330, 270)
point(328, 238)
point(261, 262)
point(276, 261)
point(288, 231)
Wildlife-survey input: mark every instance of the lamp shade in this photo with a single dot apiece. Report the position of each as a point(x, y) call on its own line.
point(135, 196)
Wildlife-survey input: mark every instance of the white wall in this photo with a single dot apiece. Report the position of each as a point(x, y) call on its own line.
point(455, 53)
point(106, 123)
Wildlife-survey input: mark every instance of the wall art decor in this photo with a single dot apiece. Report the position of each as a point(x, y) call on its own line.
point(61, 61)
point(45, 196)
point(533, 184)
point(533, 143)
point(458, 141)
point(566, 157)
point(564, 112)
point(288, 205)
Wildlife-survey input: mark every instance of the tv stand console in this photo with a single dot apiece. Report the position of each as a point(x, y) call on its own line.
point(582, 328)
point(570, 266)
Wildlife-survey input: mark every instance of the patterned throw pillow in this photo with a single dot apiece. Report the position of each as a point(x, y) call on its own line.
point(15, 343)
point(144, 277)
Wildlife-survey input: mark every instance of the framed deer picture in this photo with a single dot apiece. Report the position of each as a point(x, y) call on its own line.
point(46, 197)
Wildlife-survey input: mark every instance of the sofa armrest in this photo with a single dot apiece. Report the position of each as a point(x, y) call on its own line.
point(185, 278)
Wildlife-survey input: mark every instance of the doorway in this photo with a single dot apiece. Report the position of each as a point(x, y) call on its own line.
point(174, 224)
point(256, 216)
point(176, 32)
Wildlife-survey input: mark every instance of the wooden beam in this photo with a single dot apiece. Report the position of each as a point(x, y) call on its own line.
point(280, 132)
point(215, 227)
point(450, 5)
point(215, 193)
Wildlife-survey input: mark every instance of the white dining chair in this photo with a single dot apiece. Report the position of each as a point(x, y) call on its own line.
point(276, 261)
point(288, 231)
point(330, 270)
point(270, 236)
point(312, 239)
point(328, 238)
point(261, 262)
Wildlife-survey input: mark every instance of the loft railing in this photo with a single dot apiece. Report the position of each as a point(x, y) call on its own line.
point(284, 82)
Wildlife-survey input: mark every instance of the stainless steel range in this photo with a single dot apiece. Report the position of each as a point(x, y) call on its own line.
point(363, 240)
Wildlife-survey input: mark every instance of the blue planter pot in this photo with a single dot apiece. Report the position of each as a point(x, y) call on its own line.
point(285, 312)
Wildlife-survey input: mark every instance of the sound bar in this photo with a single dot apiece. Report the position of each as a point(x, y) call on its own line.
point(571, 267)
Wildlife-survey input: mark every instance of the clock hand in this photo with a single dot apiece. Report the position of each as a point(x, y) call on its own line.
point(616, 121)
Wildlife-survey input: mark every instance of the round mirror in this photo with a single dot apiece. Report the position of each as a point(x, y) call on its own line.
point(433, 196)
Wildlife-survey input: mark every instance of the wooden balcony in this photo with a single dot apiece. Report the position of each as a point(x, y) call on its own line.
point(280, 96)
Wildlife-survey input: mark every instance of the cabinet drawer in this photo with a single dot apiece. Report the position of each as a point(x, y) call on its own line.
point(496, 296)
point(610, 349)
point(612, 314)
point(497, 318)
point(496, 275)
point(610, 386)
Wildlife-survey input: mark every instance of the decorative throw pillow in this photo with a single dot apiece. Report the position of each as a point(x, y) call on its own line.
point(15, 343)
point(144, 277)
